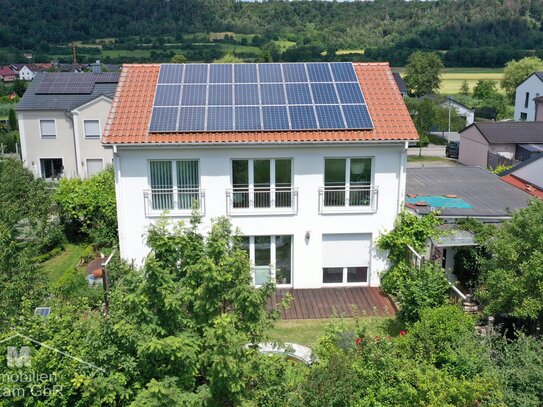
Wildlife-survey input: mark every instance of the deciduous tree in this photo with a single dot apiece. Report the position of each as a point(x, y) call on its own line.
point(423, 73)
point(516, 72)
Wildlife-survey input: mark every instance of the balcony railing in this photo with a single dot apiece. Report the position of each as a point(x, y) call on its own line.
point(174, 201)
point(348, 199)
point(264, 200)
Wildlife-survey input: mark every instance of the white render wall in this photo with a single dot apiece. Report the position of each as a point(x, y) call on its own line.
point(532, 173)
point(534, 87)
point(389, 163)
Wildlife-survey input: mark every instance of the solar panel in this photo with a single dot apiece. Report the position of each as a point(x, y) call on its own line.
point(220, 95)
point(107, 77)
point(330, 117)
point(294, 73)
point(256, 97)
point(171, 73)
point(270, 73)
point(220, 118)
point(319, 72)
point(349, 93)
point(357, 116)
point(220, 73)
point(192, 118)
point(324, 93)
point(272, 94)
point(245, 73)
point(343, 72)
point(275, 118)
point(302, 117)
point(246, 94)
point(167, 95)
point(196, 73)
point(164, 119)
point(247, 118)
point(64, 83)
point(193, 95)
point(42, 311)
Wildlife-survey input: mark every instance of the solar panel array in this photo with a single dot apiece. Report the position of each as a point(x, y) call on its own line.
point(258, 97)
point(73, 83)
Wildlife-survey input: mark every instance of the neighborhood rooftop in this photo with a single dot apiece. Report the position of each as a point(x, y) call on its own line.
point(481, 193)
point(67, 90)
point(132, 111)
point(511, 132)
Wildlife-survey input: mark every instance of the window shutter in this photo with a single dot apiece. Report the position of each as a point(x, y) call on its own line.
point(92, 128)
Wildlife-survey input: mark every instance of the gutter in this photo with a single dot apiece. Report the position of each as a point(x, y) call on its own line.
point(70, 116)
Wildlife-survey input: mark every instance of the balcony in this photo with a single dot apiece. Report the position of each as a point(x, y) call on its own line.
point(348, 199)
point(262, 201)
point(174, 201)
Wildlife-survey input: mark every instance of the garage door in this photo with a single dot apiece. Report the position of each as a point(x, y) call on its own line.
point(346, 258)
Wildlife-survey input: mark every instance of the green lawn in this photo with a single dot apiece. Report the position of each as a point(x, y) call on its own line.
point(417, 159)
point(349, 51)
point(307, 331)
point(65, 261)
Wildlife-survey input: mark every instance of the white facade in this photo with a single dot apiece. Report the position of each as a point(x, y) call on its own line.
point(340, 239)
point(524, 98)
point(462, 110)
point(56, 143)
point(26, 74)
point(531, 173)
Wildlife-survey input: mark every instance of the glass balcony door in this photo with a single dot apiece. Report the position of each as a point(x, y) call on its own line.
point(347, 182)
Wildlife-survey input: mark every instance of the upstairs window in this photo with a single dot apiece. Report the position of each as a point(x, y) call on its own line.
point(347, 181)
point(48, 129)
point(92, 128)
point(527, 100)
point(175, 185)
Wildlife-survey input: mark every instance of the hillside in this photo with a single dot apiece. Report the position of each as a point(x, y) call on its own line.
point(468, 32)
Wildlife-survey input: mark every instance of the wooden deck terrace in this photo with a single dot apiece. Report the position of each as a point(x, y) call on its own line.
point(329, 302)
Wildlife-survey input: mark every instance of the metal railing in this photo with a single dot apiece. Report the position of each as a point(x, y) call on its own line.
point(348, 199)
point(262, 200)
point(174, 201)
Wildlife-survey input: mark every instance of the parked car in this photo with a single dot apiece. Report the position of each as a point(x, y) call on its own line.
point(452, 149)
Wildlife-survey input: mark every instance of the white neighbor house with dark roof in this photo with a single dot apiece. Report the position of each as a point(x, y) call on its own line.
point(307, 160)
point(527, 91)
point(61, 118)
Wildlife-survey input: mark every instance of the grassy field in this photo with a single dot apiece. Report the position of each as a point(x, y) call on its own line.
point(452, 78)
point(349, 51)
point(67, 260)
point(307, 331)
point(424, 158)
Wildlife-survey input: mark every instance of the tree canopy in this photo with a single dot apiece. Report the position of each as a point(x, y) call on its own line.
point(423, 73)
point(516, 72)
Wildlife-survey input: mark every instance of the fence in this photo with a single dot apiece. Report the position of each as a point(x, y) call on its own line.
point(494, 160)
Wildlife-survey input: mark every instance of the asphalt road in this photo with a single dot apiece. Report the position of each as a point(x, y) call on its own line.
point(431, 151)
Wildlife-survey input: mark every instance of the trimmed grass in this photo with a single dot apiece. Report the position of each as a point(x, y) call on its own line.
point(349, 51)
point(424, 158)
point(307, 331)
point(284, 44)
point(65, 261)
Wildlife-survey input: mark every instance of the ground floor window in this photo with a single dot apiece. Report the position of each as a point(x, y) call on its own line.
point(271, 258)
point(346, 258)
point(51, 168)
point(94, 166)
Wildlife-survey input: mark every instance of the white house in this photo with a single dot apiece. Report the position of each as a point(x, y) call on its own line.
point(310, 170)
point(26, 74)
point(527, 91)
point(461, 109)
point(61, 118)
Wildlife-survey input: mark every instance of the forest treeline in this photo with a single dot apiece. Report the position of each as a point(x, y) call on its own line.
point(386, 29)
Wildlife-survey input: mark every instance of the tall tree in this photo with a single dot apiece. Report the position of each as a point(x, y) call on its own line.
point(423, 73)
point(12, 120)
point(516, 72)
point(513, 276)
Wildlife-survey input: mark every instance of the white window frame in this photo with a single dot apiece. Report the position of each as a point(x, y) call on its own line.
point(273, 259)
point(150, 212)
point(92, 137)
point(344, 281)
point(48, 136)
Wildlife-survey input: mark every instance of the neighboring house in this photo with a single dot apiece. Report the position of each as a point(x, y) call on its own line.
point(7, 74)
point(528, 176)
point(61, 118)
point(527, 91)
point(461, 109)
point(27, 72)
point(402, 87)
point(502, 143)
point(460, 193)
point(310, 180)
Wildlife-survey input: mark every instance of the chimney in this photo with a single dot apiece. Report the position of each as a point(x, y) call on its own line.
point(539, 109)
point(96, 67)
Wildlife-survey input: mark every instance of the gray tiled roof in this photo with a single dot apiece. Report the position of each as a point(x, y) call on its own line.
point(539, 75)
point(511, 132)
point(488, 195)
point(400, 82)
point(32, 101)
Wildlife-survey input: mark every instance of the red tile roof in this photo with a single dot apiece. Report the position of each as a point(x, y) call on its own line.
point(525, 186)
point(130, 114)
